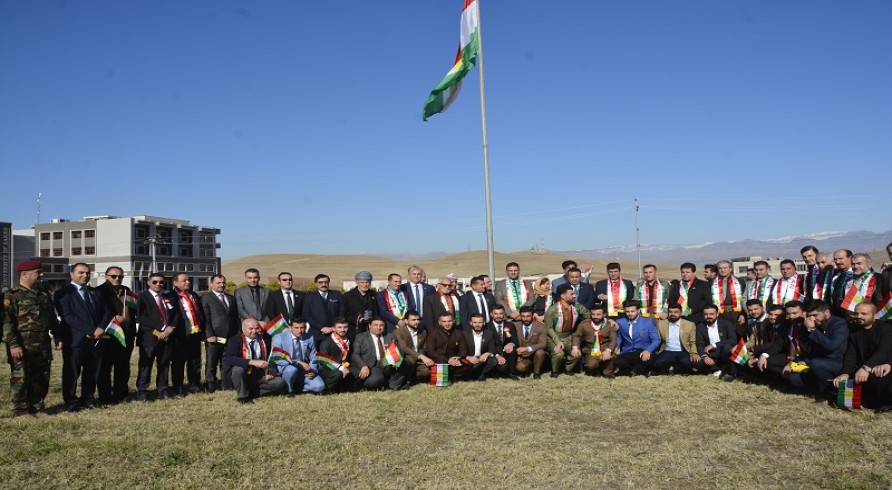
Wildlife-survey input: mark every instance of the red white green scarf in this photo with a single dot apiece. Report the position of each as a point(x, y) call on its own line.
point(246, 351)
point(787, 290)
point(567, 316)
point(683, 297)
point(616, 294)
point(343, 344)
point(396, 303)
point(189, 309)
point(450, 302)
point(516, 296)
point(732, 285)
point(656, 305)
point(860, 290)
point(761, 290)
point(596, 341)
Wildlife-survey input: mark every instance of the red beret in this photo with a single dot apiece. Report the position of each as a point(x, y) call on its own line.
point(28, 266)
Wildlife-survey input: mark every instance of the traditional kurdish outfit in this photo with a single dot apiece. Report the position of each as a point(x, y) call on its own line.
point(616, 294)
point(787, 290)
point(396, 303)
point(760, 289)
point(653, 303)
point(450, 302)
point(854, 290)
point(516, 293)
point(683, 288)
point(727, 293)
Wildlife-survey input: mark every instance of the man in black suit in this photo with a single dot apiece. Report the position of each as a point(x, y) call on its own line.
point(221, 315)
point(252, 297)
point(336, 348)
point(823, 345)
point(320, 309)
point(716, 338)
point(505, 337)
point(443, 301)
point(366, 359)
point(187, 352)
point(416, 290)
point(483, 354)
point(690, 293)
point(287, 301)
point(612, 292)
point(116, 357)
point(245, 362)
point(84, 315)
point(158, 319)
point(478, 300)
point(585, 292)
point(361, 305)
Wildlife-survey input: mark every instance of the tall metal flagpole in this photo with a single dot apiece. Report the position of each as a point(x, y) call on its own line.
point(490, 251)
point(638, 238)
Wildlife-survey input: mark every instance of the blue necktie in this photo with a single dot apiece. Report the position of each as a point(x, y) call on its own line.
point(418, 300)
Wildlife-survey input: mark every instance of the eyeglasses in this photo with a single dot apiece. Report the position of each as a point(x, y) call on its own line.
point(445, 284)
point(115, 276)
point(286, 280)
point(157, 282)
point(321, 282)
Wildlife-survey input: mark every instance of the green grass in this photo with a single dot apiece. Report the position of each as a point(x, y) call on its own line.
point(579, 432)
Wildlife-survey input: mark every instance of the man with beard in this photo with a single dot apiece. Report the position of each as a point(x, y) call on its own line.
point(561, 320)
point(366, 359)
point(320, 309)
point(869, 348)
point(187, 353)
point(513, 292)
point(505, 335)
point(532, 338)
point(809, 255)
point(361, 305)
point(447, 345)
point(483, 356)
point(637, 341)
point(823, 346)
point(842, 281)
point(251, 297)
point(595, 341)
point(716, 338)
point(411, 340)
point(678, 350)
point(613, 291)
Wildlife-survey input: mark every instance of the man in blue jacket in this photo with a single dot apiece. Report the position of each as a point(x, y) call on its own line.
point(823, 345)
point(636, 340)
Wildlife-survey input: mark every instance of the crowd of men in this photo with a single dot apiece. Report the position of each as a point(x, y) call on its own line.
point(811, 332)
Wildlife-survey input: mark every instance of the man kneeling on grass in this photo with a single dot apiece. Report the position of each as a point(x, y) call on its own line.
point(245, 362)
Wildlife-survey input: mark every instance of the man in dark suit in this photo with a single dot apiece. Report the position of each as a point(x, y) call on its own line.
point(252, 297)
point(411, 341)
point(84, 315)
point(222, 322)
point(583, 291)
point(690, 293)
point(158, 319)
point(187, 352)
point(417, 291)
point(505, 337)
point(392, 303)
point(716, 338)
point(361, 305)
point(321, 308)
point(287, 301)
point(483, 356)
point(443, 301)
point(446, 345)
point(336, 348)
point(476, 301)
point(883, 288)
point(532, 339)
point(366, 359)
point(245, 362)
point(612, 292)
point(116, 357)
point(823, 345)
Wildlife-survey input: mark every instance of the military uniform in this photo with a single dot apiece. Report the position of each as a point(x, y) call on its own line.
point(28, 319)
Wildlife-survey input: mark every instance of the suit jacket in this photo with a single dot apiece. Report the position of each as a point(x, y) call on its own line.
point(584, 336)
point(355, 304)
point(426, 290)
point(551, 316)
point(363, 352)
point(276, 305)
point(827, 342)
point(319, 312)
point(601, 288)
point(699, 295)
point(488, 342)
point(232, 356)
point(501, 337)
point(751, 291)
point(778, 283)
point(469, 306)
point(537, 339)
point(442, 345)
point(307, 352)
point(883, 287)
point(115, 303)
point(79, 318)
point(644, 335)
point(433, 307)
point(383, 312)
point(198, 314)
point(403, 337)
point(500, 292)
point(247, 307)
point(150, 320)
point(727, 336)
point(220, 320)
point(868, 347)
point(330, 347)
point(688, 334)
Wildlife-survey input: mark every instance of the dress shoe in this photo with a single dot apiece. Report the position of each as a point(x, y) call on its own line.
point(194, 389)
point(648, 374)
point(91, 404)
point(514, 377)
point(290, 395)
point(537, 376)
point(142, 397)
point(37, 407)
point(883, 409)
point(571, 373)
point(555, 375)
point(728, 377)
point(210, 388)
point(610, 376)
point(73, 407)
point(244, 401)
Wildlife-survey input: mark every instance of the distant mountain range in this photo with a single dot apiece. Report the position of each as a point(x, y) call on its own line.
point(786, 247)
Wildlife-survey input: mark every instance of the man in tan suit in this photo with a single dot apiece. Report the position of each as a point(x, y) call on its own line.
point(583, 341)
point(678, 350)
point(533, 338)
point(410, 340)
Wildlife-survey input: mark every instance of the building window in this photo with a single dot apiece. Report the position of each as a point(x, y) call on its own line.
point(89, 250)
point(57, 252)
point(75, 251)
point(57, 235)
point(141, 232)
point(142, 250)
point(58, 268)
point(163, 250)
point(89, 233)
point(742, 269)
point(207, 252)
point(44, 252)
point(45, 235)
point(185, 251)
point(164, 233)
point(186, 236)
point(75, 234)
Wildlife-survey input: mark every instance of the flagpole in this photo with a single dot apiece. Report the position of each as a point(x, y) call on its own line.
point(490, 251)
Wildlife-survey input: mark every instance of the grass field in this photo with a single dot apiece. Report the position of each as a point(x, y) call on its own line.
point(570, 432)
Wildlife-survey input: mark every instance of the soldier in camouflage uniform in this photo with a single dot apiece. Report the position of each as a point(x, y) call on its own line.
point(28, 319)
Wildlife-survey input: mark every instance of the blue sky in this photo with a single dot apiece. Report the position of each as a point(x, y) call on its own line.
point(295, 127)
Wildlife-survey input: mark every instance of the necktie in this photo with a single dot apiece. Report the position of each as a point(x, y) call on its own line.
point(161, 309)
point(501, 333)
point(289, 303)
point(223, 300)
point(418, 299)
point(324, 295)
point(254, 349)
point(576, 290)
point(482, 305)
point(526, 332)
point(380, 347)
point(298, 350)
point(255, 294)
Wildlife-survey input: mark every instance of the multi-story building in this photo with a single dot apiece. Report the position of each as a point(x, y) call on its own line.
point(138, 244)
point(742, 264)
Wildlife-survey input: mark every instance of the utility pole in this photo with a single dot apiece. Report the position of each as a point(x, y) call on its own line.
point(153, 241)
point(638, 238)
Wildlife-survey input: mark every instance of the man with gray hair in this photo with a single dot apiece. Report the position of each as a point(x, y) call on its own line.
point(859, 289)
point(821, 287)
point(727, 293)
point(416, 290)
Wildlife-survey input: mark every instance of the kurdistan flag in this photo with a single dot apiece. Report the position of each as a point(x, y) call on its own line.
point(446, 91)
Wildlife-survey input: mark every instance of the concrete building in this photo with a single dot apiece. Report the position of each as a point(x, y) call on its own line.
point(128, 242)
point(740, 265)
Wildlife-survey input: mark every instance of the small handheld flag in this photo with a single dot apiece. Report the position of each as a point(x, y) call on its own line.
point(130, 299)
point(849, 395)
point(740, 355)
point(327, 361)
point(392, 355)
point(114, 329)
point(280, 354)
point(276, 326)
point(440, 375)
